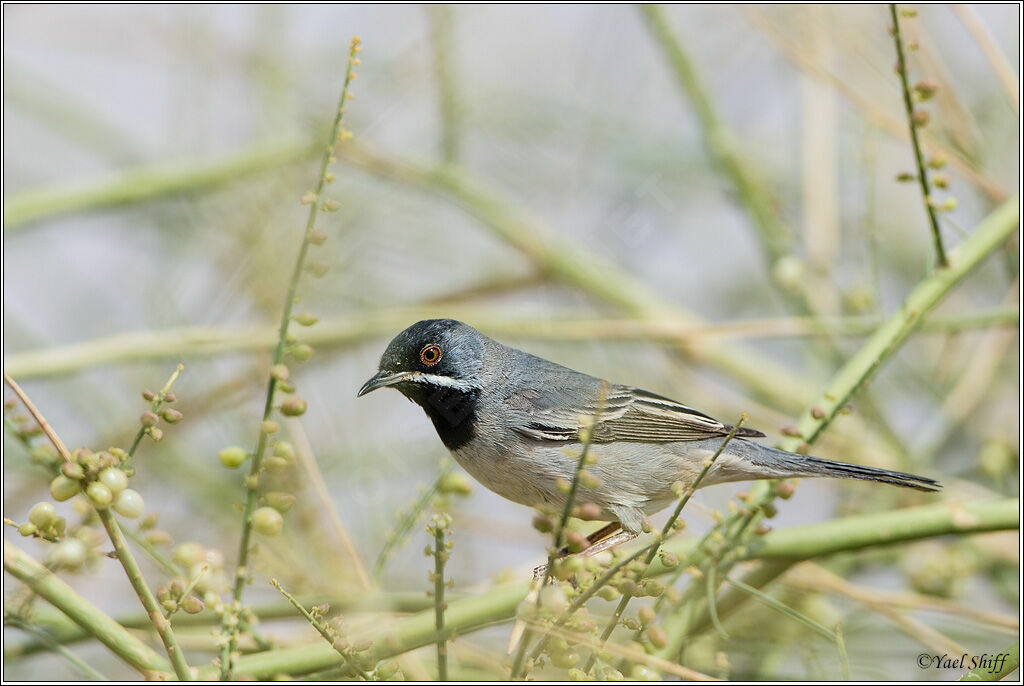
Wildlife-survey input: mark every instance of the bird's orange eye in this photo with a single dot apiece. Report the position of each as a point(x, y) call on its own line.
point(430, 355)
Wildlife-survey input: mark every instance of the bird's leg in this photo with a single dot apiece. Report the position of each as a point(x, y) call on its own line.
point(609, 542)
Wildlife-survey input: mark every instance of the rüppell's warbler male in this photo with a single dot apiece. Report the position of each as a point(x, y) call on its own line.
point(508, 416)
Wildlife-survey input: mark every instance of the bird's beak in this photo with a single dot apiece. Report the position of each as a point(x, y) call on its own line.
point(381, 379)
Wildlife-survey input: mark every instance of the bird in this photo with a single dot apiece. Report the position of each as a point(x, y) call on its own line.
point(517, 423)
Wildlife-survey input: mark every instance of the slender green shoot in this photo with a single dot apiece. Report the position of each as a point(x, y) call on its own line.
point(83, 667)
point(912, 120)
point(317, 203)
point(322, 629)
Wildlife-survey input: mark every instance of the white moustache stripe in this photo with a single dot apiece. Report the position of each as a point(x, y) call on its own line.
point(444, 381)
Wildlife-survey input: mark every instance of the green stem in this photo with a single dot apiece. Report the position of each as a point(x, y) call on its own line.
point(998, 673)
point(158, 401)
point(194, 341)
point(321, 629)
point(499, 604)
point(241, 571)
point(90, 618)
point(690, 490)
point(131, 568)
point(922, 174)
point(439, 605)
point(559, 532)
point(53, 646)
point(142, 184)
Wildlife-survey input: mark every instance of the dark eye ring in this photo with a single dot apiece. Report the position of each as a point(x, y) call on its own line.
point(430, 355)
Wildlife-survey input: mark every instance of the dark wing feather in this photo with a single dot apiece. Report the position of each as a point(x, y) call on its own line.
point(627, 414)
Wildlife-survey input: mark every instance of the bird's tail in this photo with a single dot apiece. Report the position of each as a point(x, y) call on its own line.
point(795, 465)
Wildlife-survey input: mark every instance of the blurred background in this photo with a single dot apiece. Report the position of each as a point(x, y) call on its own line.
point(725, 235)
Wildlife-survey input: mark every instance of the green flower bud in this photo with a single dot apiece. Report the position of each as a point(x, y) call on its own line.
point(129, 504)
point(232, 456)
point(72, 470)
point(305, 319)
point(187, 554)
point(70, 553)
point(149, 419)
point(192, 605)
point(63, 488)
point(99, 495)
point(284, 450)
point(148, 395)
point(269, 427)
point(114, 479)
point(172, 416)
point(267, 521)
point(455, 483)
point(552, 599)
point(543, 524)
point(301, 352)
point(279, 372)
point(293, 407)
point(282, 502)
point(27, 529)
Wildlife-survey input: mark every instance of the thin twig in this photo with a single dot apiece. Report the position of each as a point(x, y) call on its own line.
point(690, 490)
point(158, 401)
point(40, 419)
point(53, 646)
point(922, 174)
point(316, 204)
point(559, 531)
point(322, 630)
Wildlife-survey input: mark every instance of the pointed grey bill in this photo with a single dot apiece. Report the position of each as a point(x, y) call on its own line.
point(381, 379)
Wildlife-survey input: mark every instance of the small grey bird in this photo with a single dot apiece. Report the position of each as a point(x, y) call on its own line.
point(514, 422)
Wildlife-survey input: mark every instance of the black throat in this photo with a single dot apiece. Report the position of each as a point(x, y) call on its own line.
point(452, 410)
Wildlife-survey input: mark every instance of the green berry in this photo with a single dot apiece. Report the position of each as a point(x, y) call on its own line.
point(192, 605)
point(129, 504)
point(69, 554)
point(187, 554)
point(282, 502)
point(293, 407)
point(302, 352)
point(72, 470)
point(42, 515)
point(267, 521)
point(63, 488)
point(114, 479)
point(99, 494)
point(455, 483)
point(27, 529)
point(232, 456)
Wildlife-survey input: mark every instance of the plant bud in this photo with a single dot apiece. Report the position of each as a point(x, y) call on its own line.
point(920, 118)
point(232, 456)
point(129, 504)
point(301, 352)
point(455, 483)
point(543, 524)
point(284, 450)
point(269, 427)
point(293, 407)
point(267, 521)
point(925, 89)
point(42, 515)
point(784, 490)
point(192, 605)
point(70, 553)
point(171, 416)
point(148, 395)
point(280, 372)
point(588, 511)
point(553, 600)
point(306, 319)
point(114, 479)
point(575, 541)
point(906, 177)
point(27, 529)
point(282, 502)
point(657, 636)
point(148, 419)
point(317, 237)
point(62, 488)
point(156, 434)
point(99, 495)
point(158, 537)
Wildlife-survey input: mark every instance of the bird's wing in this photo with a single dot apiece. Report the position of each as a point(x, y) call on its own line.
point(625, 414)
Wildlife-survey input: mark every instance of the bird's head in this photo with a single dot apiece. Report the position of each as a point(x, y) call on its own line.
point(431, 355)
